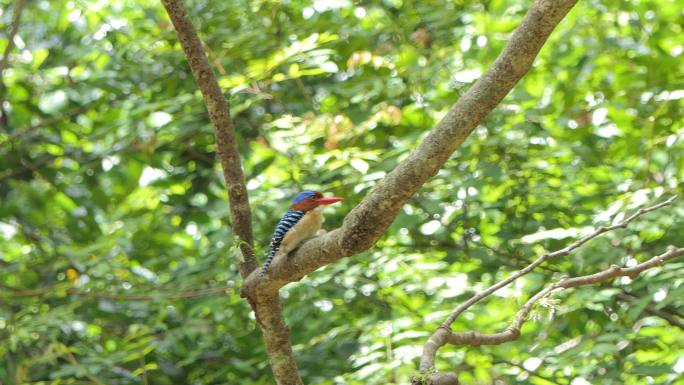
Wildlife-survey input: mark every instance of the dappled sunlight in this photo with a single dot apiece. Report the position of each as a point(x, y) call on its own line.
point(119, 261)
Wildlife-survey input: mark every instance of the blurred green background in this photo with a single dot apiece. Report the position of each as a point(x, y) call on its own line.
point(117, 264)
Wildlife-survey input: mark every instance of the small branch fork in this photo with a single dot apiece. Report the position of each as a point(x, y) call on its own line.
point(443, 335)
point(267, 308)
point(546, 257)
point(370, 218)
point(366, 222)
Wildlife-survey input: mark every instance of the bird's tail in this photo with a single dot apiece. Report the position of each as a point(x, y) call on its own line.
point(267, 263)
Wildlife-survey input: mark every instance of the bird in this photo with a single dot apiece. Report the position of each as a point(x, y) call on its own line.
point(301, 221)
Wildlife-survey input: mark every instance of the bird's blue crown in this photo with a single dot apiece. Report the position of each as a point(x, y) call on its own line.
point(304, 195)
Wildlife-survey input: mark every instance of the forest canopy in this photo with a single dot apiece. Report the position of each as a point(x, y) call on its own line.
point(118, 259)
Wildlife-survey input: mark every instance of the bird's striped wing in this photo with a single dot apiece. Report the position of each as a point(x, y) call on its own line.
point(291, 218)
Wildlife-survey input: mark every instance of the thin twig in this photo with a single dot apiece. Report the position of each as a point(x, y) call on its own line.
point(556, 254)
point(672, 319)
point(533, 373)
point(16, 19)
point(443, 335)
point(86, 371)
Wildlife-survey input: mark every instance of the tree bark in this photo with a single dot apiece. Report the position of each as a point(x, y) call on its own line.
point(226, 142)
point(364, 225)
point(268, 309)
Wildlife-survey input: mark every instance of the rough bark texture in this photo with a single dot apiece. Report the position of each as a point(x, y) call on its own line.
point(268, 309)
point(226, 142)
point(364, 225)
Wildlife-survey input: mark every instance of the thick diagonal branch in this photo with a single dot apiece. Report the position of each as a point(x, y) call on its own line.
point(445, 336)
point(364, 225)
point(226, 142)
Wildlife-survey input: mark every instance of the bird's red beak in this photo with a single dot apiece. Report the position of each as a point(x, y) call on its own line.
point(328, 200)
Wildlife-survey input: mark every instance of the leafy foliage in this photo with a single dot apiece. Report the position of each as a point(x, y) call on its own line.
point(117, 261)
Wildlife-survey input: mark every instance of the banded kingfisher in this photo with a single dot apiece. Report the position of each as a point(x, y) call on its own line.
point(301, 221)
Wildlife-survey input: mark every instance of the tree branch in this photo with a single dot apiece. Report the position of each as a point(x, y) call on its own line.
point(556, 254)
point(269, 314)
point(268, 309)
point(226, 142)
point(445, 336)
point(444, 330)
point(533, 373)
point(364, 225)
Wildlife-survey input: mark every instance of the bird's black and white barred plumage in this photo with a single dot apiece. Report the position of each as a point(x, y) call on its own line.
point(287, 222)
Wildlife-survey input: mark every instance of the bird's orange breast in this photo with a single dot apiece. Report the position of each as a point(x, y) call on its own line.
point(303, 230)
